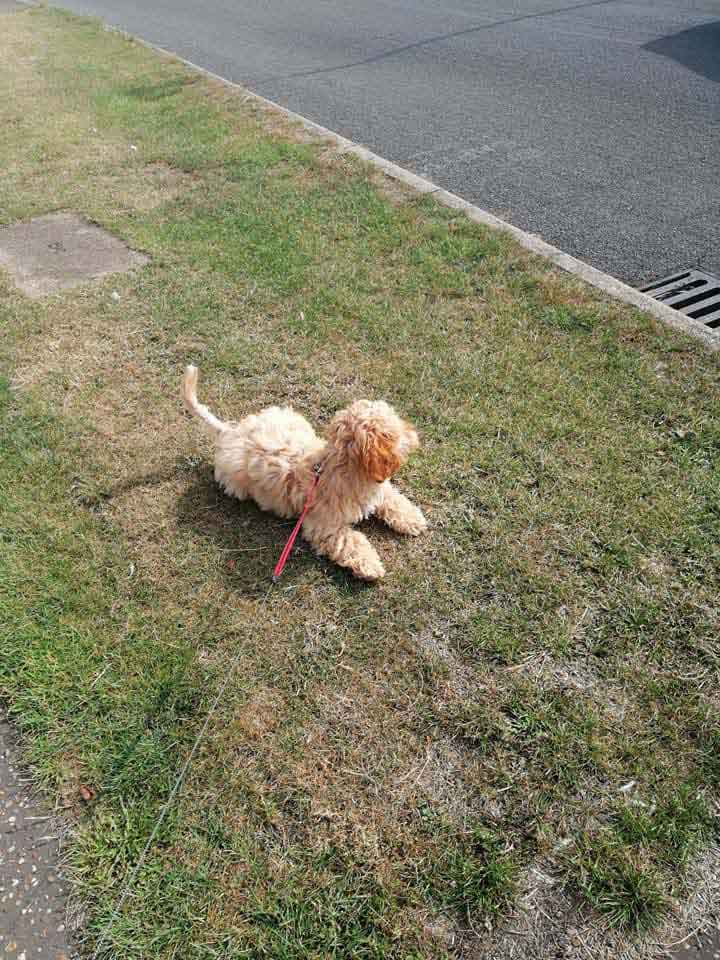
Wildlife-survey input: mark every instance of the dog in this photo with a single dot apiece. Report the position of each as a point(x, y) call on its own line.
point(273, 457)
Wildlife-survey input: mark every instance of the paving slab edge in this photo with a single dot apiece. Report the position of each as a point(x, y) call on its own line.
point(596, 278)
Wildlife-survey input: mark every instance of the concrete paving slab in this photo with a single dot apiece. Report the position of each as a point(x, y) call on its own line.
point(61, 250)
point(33, 921)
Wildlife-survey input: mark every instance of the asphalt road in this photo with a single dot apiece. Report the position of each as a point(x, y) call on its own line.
point(594, 124)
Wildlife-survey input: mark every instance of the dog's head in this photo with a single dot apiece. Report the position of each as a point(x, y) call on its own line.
point(374, 437)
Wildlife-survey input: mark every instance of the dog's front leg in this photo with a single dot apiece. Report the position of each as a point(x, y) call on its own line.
point(350, 549)
point(399, 513)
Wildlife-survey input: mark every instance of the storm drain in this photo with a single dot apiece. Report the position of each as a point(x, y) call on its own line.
point(692, 292)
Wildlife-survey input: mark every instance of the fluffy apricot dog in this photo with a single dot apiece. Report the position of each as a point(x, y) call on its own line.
point(272, 456)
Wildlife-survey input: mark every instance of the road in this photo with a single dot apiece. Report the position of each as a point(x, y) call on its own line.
point(595, 124)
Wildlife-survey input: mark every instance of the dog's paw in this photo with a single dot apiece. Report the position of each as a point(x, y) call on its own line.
point(414, 526)
point(411, 522)
point(369, 568)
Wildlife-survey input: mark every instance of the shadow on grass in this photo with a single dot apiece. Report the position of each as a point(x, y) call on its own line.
point(249, 540)
point(156, 91)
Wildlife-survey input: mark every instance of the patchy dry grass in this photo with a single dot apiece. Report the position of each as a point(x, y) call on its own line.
point(523, 717)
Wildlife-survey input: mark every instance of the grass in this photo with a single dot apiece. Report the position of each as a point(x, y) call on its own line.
point(473, 877)
point(388, 764)
point(627, 892)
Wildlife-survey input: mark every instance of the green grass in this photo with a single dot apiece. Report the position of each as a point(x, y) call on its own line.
point(625, 892)
point(673, 828)
point(473, 877)
point(388, 763)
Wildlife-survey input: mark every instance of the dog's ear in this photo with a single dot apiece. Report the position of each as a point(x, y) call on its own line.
point(378, 453)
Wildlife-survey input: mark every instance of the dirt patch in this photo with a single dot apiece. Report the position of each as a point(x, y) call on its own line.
point(260, 715)
point(574, 675)
point(546, 922)
point(396, 191)
point(167, 181)
point(441, 779)
point(142, 189)
point(460, 679)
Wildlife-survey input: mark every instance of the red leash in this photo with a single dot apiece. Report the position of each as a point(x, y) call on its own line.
point(296, 529)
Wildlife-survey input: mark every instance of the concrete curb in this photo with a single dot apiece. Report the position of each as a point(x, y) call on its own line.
point(602, 281)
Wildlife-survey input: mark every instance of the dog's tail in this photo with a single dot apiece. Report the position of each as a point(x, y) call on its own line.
point(191, 400)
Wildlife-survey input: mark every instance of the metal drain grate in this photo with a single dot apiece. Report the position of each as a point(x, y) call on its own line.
point(692, 292)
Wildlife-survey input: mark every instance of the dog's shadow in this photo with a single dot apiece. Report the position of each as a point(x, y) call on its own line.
point(248, 541)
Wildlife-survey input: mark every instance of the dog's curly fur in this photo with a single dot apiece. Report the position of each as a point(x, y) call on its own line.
point(271, 456)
